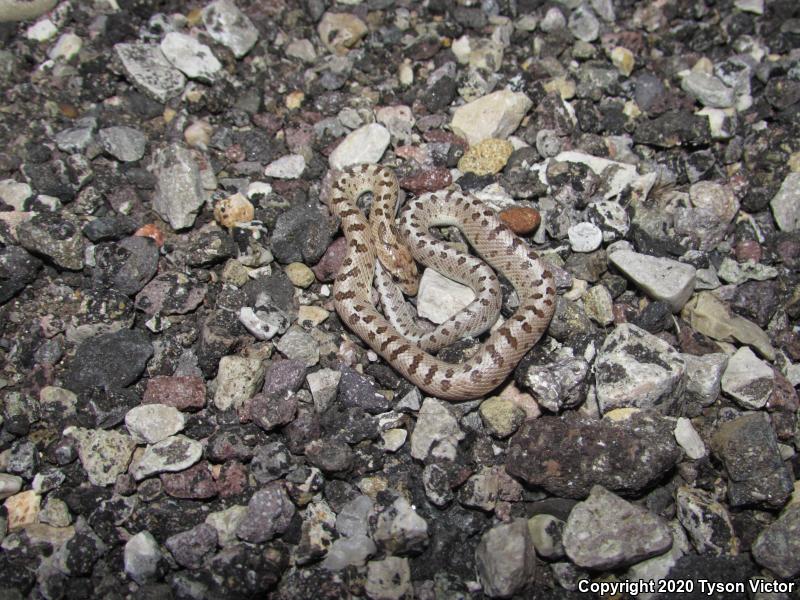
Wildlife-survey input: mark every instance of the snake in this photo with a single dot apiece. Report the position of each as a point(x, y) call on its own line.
point(409, 238)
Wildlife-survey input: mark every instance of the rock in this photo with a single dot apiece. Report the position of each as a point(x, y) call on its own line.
point(501, 417)
point(272, 410)
point(109, 228)
point(487, 157)
point(170, 294)
point(706, 521)
point(181, 392)
point(269, 513)
point(521, 220)
point(505, 559)
point(583, 24)
point(179, 191)
point(127, 265)
point(623, 59)
point(296, 344)
point(152, 423)
point(301, 234)
point(496, 115)
point(389, 579)
point(300, 275)
point(104, 454)
point(785, 204)
point(302, 49)
point(440, 298)
point(196, 482)
point(263, 324)
point(357, 390)
point(398, 528)
point(546, 533)
point(55, 513)
point(748, 448)
point(714, 206)
point(660, 278)
point(209, 248)
point(238, 379)
point(710, 316)
point(748, 380)
point(172, 454)
point(126, 144)
point(703, 377)
point(142, 557)
point(707, 89)
point(568, 455)
point(22, 509)
point(17, 270)
point(777, 547)
point(323, 385)
point(599, 305)
point(57, 237)
point(340, 31)
point(688, 439)
point(436, 433)
point(148, 69)
point(585, 237)
point(427, 180)
point(109, 361)
point(192, 547)
point(193, 59)
point(352, 551)
point(24, 10)
point(286, 167)
point(330, 455)
point(617, 176)
point(9, 485)
point(635, 368)
point(226, 24)
point(364, 145)
point(234, 209)
point(556, 385)
point(606, 532)
point(488, 488)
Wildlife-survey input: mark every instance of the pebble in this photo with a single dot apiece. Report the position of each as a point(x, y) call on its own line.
point(583, 24)
point(436, 433)
point(192, 547)
point(104, 454)
point(311, 316)
point(520, 219)
point(340, 31)
point(290, 166)
point(393, 439)
point(660, 278)
point(501, 417)
point(296, 344)
point(301, 234)
point(227, 25)
point(703, 377)
point(198, 134)
point(748, 448)
point(302, 49)
point(300, 275)
point(179, 189)
point(352, 551)
point(193, 59)
point(24, 10)
point(196, 482)
point(606, 532)
point(323, 385)
point(17, 270)
point(238, 379)
point(706, 522)
point(181, 392)
point(748, 379)
point(785, 204)
point(599, 305)
point(707, 89)
point(125, 266)
point(57, 237)
point(636, 369)
point(172, 454)
point(152, 423)
point(150, 71)
point(109, 361)
point(22, 509)
point(546, 533)
point(487, 157)
point(623, 59)
point(170, 294)
point(505, 559)
point(364, 145)
point(398, 528)
point(269, 513)
point(234, 209)
point(688, 439)
point(389, 579)
point(263, 324)
point(776, 547)
point(440, 298)
point(496, 115)
point(9, 485)
point(585, 237)
point(126, 144)
point(142, 557)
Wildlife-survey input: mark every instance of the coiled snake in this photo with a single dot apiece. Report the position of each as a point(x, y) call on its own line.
point(405, 347)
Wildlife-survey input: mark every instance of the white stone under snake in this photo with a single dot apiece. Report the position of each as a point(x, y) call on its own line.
point(490, 238)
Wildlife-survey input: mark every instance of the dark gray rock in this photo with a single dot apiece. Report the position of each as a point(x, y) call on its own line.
point(270, 462)
point(17, 269)
point(109, 361)
point(109, 228)
point(301, 234)
point(283, 375)
point(170, 294)
point(269, 513)
point(568, 455)
point(778, 546)
point(357, 390)
point(191, 547)
point(57, 237)
point(210, 248)
point(127, 265)
point(269, 411)
point(330, 455)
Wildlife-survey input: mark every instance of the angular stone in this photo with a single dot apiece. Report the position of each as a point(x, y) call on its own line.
point(150, 71)
point(436, 433)
point(786, 204)
point(238, 379)
point(440, 298)
point(152, 423)
point(777, 547)
point(104, 454)
point(109, 361)
point(389, 579)
point(505, 559)
point(126, 144)
point(364, 145)
point(179, 191)
point(269, 513)
point(748, 379)
point(660, 278)
point(193, 59)
point(56, 236)
point(182, 392)
point(172, 454)
point(142, 557)
point(226, 24)
point(706, 521)
point(496, 115)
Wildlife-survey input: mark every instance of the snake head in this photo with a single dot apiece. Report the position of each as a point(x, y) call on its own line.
point(398, 262)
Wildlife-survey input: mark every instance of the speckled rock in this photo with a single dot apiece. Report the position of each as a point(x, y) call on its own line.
point(340, 31)
point(172, 454)
point(150, 71)
point(56, 237)
point(103, 454)
point(505, 559)
point(230, 27)
point(486, 157)
point(234, 209)
point(170, 294)
point(181, 392)
point(777, 548)
point(179, 190)
point(238, 378)
point(269, 513)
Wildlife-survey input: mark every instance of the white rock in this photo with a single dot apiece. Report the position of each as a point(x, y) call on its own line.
point(496, 115)
point(585, 237)
point(238, 379)
point(150, 71)
point(707, 89)
point(141, 557)
point(618, 176)
point(179, 190)
point(67, 46)
point(748, 379)
point(660, 278)
point(9, 485)
point(193, 59)
point(364, 145)
point(439, 298)
point(152, 423)
point(437, 431)
point(171, 455)
point(393, 439)
point(41, 31)
point(15, 193)
point(323, 385)
point(786, 203)
point(688, 439)
point(229, 26)
point(290, 166)
point(751, 6)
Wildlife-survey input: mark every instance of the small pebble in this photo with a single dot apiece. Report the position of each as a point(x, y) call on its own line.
point(232, 210)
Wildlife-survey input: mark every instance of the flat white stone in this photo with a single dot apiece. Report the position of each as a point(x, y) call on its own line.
point(496, 115)
point(229, 26)
point(150, 71)
point(152, 423)
point(786, 203)
point(41, 31)
point(364, 145)
point(585, 237)
point(748, 379)
point(15, 193)
point(286, 167)
point(688, 439)
point(67, 46)
point(439, 298)
point(171, 455)
point(660, 278)
point(193, 59)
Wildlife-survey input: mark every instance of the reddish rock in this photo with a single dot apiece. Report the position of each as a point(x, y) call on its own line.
point(429, 180)
point(447, 137)
point(196, 482)
point(748, 250)
point(153, 232)
point(416, 153)
point(328, 266)
point(232, 479)
point(521, 220)
point(234, 153)
point(183, 393)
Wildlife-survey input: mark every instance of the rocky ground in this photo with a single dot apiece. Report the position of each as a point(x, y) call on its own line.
point(185, 416)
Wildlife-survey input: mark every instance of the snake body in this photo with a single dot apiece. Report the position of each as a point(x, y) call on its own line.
point(490, 238)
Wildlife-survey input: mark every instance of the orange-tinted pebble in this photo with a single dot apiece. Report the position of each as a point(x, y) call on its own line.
point(153, 232)
point(521, 220)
